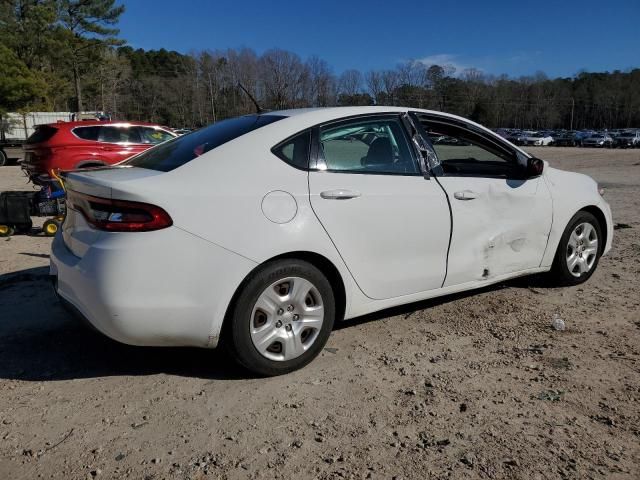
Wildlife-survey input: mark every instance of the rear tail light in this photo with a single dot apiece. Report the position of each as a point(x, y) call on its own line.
point(39, 155)
point(118, 215)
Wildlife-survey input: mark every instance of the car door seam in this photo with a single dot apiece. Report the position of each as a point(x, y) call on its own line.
point(446, 195)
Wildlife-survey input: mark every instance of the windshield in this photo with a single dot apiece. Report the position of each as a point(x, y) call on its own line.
point(181, 150)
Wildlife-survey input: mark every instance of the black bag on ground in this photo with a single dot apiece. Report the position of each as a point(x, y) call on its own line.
point(15, 209)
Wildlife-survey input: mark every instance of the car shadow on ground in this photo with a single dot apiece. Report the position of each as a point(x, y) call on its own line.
point(41, 341)
point(531, 282)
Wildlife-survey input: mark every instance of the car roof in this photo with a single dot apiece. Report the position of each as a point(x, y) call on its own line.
point(324, 114)
point(93, 123)
point(307, 117)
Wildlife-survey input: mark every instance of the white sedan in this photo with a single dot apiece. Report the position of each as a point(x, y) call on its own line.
point(537, 139)
point(259, 232)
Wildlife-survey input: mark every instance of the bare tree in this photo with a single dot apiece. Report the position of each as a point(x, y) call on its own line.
point(282, 75)
point(350, 82)
point(390, 81)
point(322, 82)
point(375, 84)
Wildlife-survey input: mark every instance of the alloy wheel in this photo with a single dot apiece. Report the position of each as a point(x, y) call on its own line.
point(582, 249)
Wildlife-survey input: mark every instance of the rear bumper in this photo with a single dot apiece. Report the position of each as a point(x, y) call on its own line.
point(164, 288)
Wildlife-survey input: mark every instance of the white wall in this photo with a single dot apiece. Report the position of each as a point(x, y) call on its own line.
point(15, 123)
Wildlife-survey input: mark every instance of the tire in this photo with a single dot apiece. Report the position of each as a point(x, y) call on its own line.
point(569, 269)
point(3, 158)
point(50, 227)
point(273, 341)
point(6, 230)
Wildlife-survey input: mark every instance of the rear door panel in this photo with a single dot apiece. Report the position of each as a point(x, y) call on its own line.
point(393, 237)
point(391, 229)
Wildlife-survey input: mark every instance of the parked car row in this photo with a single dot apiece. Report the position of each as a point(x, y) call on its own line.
point(571, 138)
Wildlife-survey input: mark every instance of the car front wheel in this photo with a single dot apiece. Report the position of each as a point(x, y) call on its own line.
point(579, 250)
point(282, 318)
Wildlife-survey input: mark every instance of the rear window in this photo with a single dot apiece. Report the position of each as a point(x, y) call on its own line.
point(181, 150)
point(43, 133)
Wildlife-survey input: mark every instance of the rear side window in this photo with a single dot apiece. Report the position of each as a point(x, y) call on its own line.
point(295, 151)
point(87, 133)
point(43, 133)
point(371, 146)
point(119, 135)
point(179, 151)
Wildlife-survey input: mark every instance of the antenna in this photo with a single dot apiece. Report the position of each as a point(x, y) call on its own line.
point(258, 107)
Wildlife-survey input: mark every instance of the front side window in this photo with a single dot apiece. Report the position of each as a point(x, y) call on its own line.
point(367, 146)
point(466, 151)
point(152, 136)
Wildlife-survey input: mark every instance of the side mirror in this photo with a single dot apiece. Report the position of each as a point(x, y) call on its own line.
point(534, 167)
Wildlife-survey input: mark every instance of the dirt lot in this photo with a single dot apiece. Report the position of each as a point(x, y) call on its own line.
point(471, 386)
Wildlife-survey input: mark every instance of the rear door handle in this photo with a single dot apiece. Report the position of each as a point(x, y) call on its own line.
point(465, 195)
point(339, 194)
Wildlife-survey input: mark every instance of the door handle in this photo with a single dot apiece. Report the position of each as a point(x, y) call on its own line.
point(465, 195)
point(339, 194)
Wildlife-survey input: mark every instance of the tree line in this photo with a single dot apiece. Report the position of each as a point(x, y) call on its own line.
point(66, 55)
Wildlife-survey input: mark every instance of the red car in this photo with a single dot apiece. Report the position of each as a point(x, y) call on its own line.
point(71, 145)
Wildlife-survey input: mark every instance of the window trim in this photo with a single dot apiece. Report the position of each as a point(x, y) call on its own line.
point(73, 132)
point(319, 162)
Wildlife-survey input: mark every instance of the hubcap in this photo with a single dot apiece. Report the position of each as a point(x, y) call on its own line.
point(582, 249)
point(287, 319)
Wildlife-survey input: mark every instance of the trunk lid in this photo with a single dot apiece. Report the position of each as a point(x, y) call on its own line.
point(103, 182)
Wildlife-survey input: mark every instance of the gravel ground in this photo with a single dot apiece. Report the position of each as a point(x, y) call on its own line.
point(468, 386)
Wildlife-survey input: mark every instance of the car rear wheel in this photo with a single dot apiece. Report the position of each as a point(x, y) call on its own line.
point(579, 250)
point(282, 318)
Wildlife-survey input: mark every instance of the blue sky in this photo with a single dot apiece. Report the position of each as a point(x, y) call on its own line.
point(517, 38)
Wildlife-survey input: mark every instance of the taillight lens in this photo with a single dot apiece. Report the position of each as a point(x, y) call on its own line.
point(118, 215)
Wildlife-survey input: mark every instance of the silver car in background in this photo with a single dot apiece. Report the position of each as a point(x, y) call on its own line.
point(628, 140)
point(598, 140)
